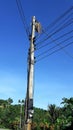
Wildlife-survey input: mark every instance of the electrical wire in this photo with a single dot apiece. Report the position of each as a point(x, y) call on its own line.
point(56, 26)
point(57, 20)
point(54, 52)
point(65, 51)
point(25, 25)
point(62, 22)
point(58, 30)
point(24, 17)
point(59, 24)
point(65, 34)
point(21, 12)
point(60, 43)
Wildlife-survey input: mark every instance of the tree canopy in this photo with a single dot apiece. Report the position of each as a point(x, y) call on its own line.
point(55, 118)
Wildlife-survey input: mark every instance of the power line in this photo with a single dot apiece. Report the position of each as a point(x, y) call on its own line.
point(59, 24)
point(69, 17)
point(54, 52)
point(37, 48)
point(58, 30)
point(62, 16)
point(24, 18)
point(21, 12)
point(60, 45)
point(57, 20)
point(55, 46)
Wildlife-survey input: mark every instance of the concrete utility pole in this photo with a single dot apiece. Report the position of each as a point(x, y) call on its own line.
point(21, 103)
point(29, 96)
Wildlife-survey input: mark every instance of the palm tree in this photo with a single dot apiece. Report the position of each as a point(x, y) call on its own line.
point(10, 101)
point(53, 113)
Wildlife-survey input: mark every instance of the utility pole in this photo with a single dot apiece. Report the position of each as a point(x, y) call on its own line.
point(29, 95)
point(36, 27)
point(21, 103)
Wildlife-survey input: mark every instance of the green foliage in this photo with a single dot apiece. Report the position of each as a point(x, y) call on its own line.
point(40, 118)
point(8, 114)
point(55, 118)
point(53, 113)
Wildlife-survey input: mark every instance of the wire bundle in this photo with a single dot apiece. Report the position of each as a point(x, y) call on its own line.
point(56, 36)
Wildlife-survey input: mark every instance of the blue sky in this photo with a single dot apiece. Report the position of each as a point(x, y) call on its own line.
point(53, 75)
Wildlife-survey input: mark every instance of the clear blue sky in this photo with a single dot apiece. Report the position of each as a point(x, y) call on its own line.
point(53, 75)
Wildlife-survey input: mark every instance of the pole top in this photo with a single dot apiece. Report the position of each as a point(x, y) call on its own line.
point(33, 19)
point(33, 16)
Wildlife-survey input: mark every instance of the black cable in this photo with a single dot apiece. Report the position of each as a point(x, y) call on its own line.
point(58, 30)
point(60, 43)
point(37, 48)
point(61, 46)
point(24, 17)
point(61, 23)
point(57, 20)
point(65, 51)
point(57, 25)
point(54, 52)
point(21, 12)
